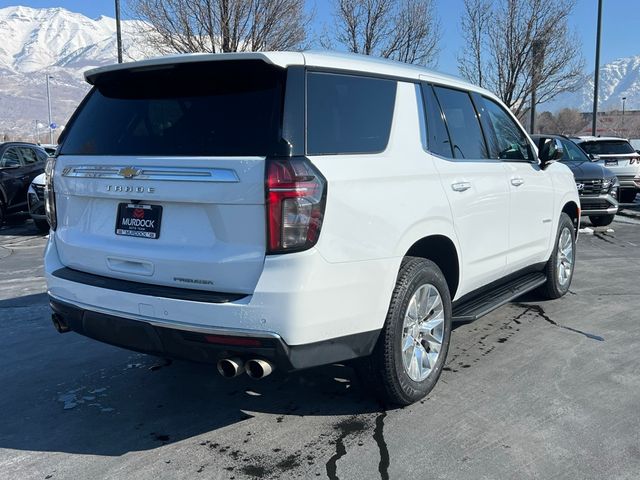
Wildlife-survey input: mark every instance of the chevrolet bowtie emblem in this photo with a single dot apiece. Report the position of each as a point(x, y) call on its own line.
point(129, 172)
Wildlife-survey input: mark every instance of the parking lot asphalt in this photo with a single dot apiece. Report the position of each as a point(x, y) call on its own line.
point(536, 389)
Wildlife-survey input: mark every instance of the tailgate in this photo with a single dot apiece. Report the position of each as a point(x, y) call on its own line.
point(160, 174)
point(210, 233)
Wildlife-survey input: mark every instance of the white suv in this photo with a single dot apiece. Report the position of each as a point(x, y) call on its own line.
point(289, 210)
point(617, 155)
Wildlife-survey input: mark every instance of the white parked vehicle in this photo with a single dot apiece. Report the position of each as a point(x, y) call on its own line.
point(617, 155)
point(35, 201)
point(289, 210)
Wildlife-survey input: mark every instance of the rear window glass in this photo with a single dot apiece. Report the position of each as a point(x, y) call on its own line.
point(437, 137)
point(462, 121)
point(604, 147)
point(348, 114)
point(195, 109)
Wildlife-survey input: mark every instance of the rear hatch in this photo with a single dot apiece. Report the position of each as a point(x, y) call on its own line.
point(617, 155)
point(160, 176)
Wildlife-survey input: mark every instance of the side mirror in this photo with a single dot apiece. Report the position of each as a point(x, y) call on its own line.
point(594, 157)
point(551, 152)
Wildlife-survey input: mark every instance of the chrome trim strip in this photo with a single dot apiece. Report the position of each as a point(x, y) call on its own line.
point(189, 327)
point(175, 174)
point(608, 211)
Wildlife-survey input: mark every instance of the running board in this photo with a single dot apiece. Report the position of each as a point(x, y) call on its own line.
point(478, 306)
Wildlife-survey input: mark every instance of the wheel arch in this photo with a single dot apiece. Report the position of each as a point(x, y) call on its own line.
point(441, 250)
point(572, 209)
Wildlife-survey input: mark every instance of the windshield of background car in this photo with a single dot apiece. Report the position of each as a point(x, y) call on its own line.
point(573, 153)
point(607, 147)
point(221, 108)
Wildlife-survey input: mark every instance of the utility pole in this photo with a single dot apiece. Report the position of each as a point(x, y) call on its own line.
point(537, 57)
point(624, 99)
point(597, 73)
point(49, 107)
point(118, 31)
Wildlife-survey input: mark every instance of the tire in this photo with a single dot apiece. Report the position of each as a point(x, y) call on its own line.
point(628, 196)
point(388, 371)
point(42, 225)
point(2, 213)
point(559, 268)
point(601, 220)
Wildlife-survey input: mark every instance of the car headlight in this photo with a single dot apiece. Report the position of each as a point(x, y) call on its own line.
point(611, 186)
point(50, 194)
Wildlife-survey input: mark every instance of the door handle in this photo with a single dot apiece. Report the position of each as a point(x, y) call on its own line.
point(461, 186)
point(517, 181)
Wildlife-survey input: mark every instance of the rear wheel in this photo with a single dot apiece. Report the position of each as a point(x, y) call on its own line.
point(559, 268)
point(412, 348)
point(601, 220)
point(2, 213)
point(628, 196)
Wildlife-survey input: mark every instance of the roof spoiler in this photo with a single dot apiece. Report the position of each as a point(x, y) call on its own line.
point(281, 59)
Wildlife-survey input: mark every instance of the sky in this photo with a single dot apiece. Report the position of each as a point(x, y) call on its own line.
point(620, 25)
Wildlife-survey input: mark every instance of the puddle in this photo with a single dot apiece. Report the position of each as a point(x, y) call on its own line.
point(541, 313)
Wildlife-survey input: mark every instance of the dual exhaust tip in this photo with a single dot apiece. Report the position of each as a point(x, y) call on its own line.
point(255, 368)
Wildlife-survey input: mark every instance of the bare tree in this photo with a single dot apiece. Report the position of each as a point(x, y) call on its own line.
point(567, 121)
point(404, 30)
point(506, 30)
point(474, 25)
point(214, 26)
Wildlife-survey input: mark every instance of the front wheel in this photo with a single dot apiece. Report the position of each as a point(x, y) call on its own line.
point(601, 220)
point(559, 268)
point(408, 358)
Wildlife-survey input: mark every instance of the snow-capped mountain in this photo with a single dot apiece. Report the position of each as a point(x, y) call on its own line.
point(35, 43)
point(59, 43)
point(618, 79)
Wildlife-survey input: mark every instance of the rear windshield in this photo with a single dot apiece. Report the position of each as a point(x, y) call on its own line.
point(230, 108)
point(607, 147)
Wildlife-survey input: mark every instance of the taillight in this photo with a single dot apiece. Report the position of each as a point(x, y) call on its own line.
point(296, 194)
point(49, 193)
point(634, 160)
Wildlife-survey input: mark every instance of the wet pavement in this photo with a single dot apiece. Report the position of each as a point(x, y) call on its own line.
point(537, 389)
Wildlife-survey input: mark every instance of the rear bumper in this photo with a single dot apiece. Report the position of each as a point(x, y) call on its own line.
point(207, 345)
point(629, 182)
point(316, 312)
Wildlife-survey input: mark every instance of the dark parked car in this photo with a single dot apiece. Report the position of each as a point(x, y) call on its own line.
point(597, 185)
point(20, 163)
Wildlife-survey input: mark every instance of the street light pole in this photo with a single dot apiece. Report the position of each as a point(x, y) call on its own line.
point(597, 73)
point(49, 107)
point(118, 31)
point(624, 99)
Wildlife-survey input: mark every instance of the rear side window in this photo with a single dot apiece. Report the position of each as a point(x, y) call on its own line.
point(222, 108)
point(10, 158)
point(462, 121)
point(437, 136)
point(512, 143)
point(348, 114)
point(604, 147)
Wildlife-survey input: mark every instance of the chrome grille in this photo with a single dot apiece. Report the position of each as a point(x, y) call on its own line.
point(589, 187)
